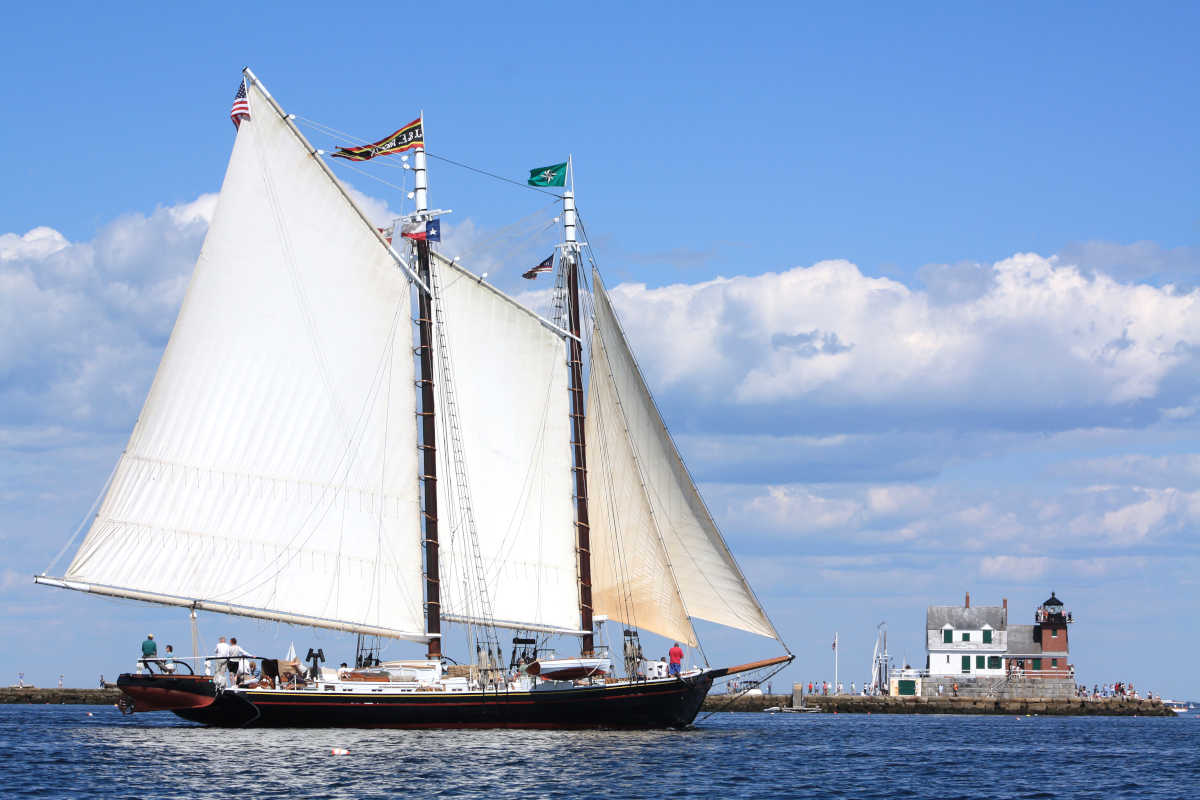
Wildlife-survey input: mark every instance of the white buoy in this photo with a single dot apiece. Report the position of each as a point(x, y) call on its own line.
point(339, 751)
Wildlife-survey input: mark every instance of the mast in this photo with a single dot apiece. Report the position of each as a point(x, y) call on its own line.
point(428, 443)
point(570, 252)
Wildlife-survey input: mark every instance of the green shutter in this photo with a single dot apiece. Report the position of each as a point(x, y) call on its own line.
point(1037, 664)
point(948, 636)
point(966, 637)
point(966, 663)
point(987, 637)
point(993, 662)
point(978, 662)
point(1054, 662)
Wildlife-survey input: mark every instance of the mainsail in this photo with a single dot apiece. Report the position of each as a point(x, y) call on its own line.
point(657, 556)
point(509, 376)
point(272, 471)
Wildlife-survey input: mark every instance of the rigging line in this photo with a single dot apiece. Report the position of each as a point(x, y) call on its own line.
point(372, 176)
point(353, 444)
point(510, 230)
point(332, 131)
point(734, 698)
point(88, 516)
point(492, 175)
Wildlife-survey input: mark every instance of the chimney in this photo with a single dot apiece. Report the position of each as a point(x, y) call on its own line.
point(1006, 604)
point(968, 602)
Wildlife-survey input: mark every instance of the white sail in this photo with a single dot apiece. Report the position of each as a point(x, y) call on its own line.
point(511, 403)
point(272, 471)
point(632, 580)
point(661, 525)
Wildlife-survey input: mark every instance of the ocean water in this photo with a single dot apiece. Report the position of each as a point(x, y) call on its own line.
point(60, 751)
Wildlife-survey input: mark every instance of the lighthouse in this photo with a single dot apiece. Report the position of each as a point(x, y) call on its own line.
point(1051, 633)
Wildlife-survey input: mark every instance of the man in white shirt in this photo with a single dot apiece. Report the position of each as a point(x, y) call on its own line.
point(238, 662)
point(221, 651)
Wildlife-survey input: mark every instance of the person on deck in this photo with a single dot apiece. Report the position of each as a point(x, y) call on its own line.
point(149, 650)
point(221, 652)
point(238, 663)
point(676, 656)
point(169, 660)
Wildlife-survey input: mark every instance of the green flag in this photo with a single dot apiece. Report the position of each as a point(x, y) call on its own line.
point(553, 175)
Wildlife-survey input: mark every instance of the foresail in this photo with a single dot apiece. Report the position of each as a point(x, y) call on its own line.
point(510, 383)
point(632, 580)
point(273, 467)
point(710, 585)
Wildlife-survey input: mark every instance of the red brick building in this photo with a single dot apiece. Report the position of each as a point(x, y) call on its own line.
point(1040, 650)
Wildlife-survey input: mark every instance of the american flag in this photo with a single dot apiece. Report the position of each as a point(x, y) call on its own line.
point(545, 266)
point(241, 105)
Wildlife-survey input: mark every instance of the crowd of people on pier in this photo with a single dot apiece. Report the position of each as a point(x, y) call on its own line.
point(1118, 689)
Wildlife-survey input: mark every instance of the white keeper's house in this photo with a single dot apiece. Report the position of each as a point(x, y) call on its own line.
point(965, 641)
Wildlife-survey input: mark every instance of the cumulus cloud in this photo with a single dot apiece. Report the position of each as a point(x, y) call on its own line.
point(1033, 342)
point(81, 323)
point(1018, 521)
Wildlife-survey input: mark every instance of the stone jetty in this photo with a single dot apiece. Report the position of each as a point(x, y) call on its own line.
point(86, 697)
point(857, 704)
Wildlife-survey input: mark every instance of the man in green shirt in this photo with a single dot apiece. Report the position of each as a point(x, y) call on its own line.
point(149, 649)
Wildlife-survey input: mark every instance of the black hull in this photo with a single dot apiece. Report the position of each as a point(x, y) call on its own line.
point(662, 704)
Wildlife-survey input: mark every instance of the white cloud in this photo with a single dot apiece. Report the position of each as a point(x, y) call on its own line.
point(1039, 337)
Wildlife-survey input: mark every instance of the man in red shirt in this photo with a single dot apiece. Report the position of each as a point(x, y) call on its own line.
point(676, 656)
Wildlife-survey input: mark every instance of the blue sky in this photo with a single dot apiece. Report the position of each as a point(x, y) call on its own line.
point(915, 289)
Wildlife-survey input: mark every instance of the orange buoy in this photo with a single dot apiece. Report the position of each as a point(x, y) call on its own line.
point(339, 751)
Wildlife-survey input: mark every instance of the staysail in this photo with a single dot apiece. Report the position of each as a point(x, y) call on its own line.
point(272, 471)
point(657, 556)
point(509, 375)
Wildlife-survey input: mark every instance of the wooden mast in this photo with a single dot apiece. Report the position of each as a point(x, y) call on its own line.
point(428, 444)
point(578, 441)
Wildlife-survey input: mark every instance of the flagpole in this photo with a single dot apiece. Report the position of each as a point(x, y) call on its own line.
point(420, 182)
point(835, 662)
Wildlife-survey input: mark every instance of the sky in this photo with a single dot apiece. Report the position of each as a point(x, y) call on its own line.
point(916, 291)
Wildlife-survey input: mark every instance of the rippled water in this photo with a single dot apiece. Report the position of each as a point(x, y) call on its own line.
point(60, 751)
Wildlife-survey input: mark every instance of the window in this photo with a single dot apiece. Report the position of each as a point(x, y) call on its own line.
point(1054, 633)
point(987, 637)
point(966, 663)
point(1037, 664)
point(993, 662)
point(1054, 663)
point(978, 662)
point(947, 659)
point(948, 636)
point(966, 637)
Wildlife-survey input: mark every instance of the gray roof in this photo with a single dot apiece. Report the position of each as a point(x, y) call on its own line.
point(1020, 640)
point(971, 619)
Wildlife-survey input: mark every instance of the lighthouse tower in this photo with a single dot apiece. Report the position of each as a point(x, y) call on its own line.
point(1051, 632)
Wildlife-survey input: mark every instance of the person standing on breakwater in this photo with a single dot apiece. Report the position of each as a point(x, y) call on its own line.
point(149, 650)
point(676, 655)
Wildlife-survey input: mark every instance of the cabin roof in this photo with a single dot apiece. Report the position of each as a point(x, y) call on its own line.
point(1021, 641)
point(963, 618)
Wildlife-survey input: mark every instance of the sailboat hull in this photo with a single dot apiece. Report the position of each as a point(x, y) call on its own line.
point(654, 704)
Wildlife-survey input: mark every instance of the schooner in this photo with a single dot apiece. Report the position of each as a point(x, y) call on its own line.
point(310, 453)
